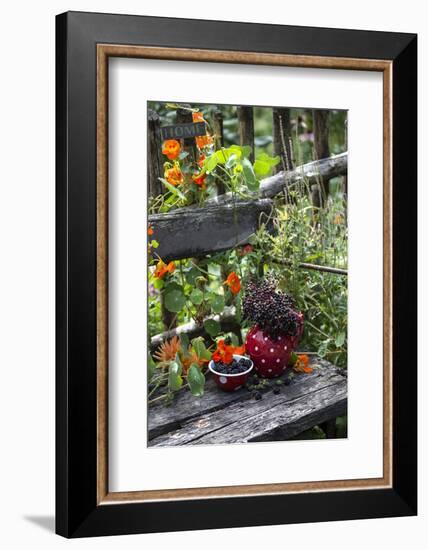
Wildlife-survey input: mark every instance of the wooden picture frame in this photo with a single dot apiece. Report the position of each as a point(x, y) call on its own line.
point(84, 505)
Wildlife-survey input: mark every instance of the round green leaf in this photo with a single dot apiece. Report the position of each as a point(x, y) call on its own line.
point(174, 301)
point(217, 303)
point(212, 327)
point(191, 275)
point(196, 296)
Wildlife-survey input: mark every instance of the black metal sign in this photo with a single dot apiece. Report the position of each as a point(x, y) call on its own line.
point(183, 131)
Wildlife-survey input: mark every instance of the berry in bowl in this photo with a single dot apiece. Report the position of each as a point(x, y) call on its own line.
point(229, 368)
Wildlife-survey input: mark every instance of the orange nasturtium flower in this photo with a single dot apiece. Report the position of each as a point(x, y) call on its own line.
point(199, 180)
point(204, 141)
point(198, 117)
point(225, 353)
point(150, 230)
point(162, 269)
point(233, 282)
point(201, 141)
point(174, 175)
point(302, 364)
point(171, 148)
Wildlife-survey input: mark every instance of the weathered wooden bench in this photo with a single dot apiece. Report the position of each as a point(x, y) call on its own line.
point(220, 417)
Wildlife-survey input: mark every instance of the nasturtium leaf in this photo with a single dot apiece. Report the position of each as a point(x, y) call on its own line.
point(178, 361)
point(151, 367)
point(217, 303)
point(154, 243)
point(174, 300)
point(175, 380)
point(191, 275)
point(250, 177)
point(172, 286)
point(200, 349)
point(246, 150)
point(264, 164)
point(212, 327)
point(196, 296)
point(158, 284)
point(210, 163)
point(234, 339)
point(231, 160)
point(184, 341)
point(340, 339)
point(196, 380)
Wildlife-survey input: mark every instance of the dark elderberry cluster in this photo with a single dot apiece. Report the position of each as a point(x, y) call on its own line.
point(271, 310)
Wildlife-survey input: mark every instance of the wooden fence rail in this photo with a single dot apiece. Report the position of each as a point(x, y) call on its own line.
point(195, 232)
point(222, 224)
point(336, 165)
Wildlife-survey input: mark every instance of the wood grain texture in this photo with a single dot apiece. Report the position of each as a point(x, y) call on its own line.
point(221, 417)
point(195, 232)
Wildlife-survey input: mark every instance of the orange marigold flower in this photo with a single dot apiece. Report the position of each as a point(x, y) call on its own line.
point(233, 282)
point(162, 269)
point(171, 148)
point(225, 353)
point(302, 364)
point(168, 350)
point(174, 175)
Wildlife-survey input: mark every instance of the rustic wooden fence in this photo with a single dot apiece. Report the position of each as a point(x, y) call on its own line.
point(193, 232)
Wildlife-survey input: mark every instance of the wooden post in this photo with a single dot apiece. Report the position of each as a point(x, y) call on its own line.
point(154, 148)
point(282, 138)
point(246, 128)
point(322, 151)
point(219, 142)
point(189, 144)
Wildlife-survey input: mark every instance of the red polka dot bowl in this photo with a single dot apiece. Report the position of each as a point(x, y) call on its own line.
point(230, 382)
point(270, 355)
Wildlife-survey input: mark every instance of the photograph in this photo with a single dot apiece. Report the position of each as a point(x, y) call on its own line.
point(247, 273)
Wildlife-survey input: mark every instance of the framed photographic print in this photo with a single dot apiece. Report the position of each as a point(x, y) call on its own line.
point(236, 274)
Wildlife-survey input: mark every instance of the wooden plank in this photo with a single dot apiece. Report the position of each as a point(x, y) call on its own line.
point(336, 165)
point(163, 419)
point(195, 232)
point(183, 131)
point(222, 417)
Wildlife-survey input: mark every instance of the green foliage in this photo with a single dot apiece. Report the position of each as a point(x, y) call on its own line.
point(302, 233)
point(175, 380)
point(174, 300)
point(212, 327)
point(196, 380)
point(200, 349)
